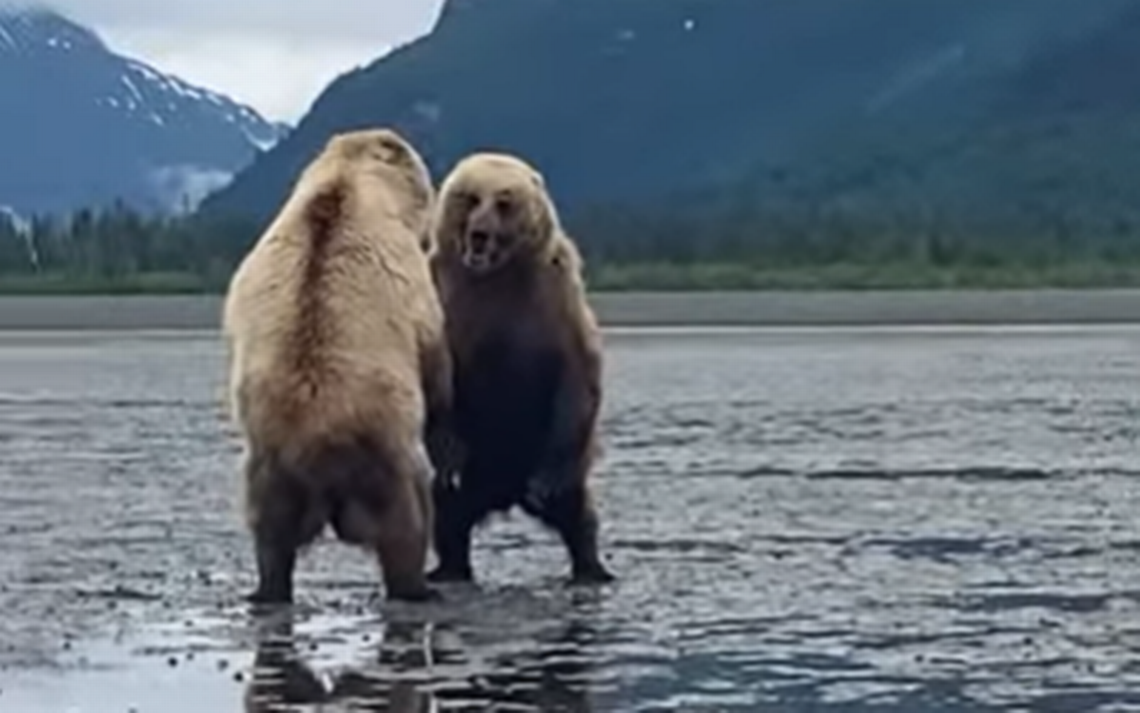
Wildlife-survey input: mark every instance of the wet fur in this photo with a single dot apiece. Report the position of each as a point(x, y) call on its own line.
point(527, 360)
point(339, 366)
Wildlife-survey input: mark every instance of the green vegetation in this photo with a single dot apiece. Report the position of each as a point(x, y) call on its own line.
point(117, 251)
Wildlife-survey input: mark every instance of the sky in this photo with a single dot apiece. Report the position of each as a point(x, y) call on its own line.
point(275, 55)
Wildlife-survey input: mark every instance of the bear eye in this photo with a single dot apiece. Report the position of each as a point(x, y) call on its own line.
point(504, 206)
point(466, 200)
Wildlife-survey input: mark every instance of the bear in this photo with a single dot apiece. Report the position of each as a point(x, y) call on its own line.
point(527, 364)
point(339, 370)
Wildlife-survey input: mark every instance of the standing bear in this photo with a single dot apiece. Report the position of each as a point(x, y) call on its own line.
point(339, 368)
point(527, 361)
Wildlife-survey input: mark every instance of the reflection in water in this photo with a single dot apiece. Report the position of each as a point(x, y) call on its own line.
point(413, 670)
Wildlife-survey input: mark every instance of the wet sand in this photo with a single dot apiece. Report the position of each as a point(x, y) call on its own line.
point(650, 309)
point(831, 520)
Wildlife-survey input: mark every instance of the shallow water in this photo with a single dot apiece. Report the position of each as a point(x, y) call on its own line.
point(890, 520)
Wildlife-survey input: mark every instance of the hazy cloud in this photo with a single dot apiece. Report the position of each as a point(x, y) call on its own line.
point(273, 54)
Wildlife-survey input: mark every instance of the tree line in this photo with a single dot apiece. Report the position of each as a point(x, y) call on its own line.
point(118, 246)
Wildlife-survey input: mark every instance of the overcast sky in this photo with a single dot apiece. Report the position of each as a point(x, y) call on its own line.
point(275, 55)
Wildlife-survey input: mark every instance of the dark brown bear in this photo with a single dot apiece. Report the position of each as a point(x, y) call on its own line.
point(527, 362)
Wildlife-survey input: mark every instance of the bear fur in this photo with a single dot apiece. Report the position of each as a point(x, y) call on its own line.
point(339, 373)
point(527, 363)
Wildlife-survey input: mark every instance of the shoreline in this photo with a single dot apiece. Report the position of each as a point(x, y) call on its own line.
point(180, 313)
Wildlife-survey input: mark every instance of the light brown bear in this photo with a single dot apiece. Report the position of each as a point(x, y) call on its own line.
point(527, 359)
point(339, 366)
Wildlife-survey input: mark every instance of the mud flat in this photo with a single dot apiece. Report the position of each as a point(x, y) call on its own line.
point(646, 309)
point(886, 521)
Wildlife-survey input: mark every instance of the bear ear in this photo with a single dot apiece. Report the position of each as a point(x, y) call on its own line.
point(542, 216)
point(390, 148)
point(538, 180)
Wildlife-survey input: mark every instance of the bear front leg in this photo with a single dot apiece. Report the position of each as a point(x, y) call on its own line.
point(443, 446)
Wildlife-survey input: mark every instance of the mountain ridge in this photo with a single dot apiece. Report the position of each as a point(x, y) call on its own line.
point(959, 108)
point(162, 142)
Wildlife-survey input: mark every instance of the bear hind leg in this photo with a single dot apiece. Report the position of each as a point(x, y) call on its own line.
point(402, 548)
point(456, 514)
point(282, 518)
point(571, 514)
point(383, 509)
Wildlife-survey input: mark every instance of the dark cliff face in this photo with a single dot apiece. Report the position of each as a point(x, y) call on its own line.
point(83, 126)
point(632, 100)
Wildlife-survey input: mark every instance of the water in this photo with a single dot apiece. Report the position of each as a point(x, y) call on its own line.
point(891, 520)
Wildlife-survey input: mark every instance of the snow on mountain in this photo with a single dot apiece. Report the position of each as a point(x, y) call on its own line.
point(93, 126)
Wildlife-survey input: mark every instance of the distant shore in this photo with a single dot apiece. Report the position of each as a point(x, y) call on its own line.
point(645, 309)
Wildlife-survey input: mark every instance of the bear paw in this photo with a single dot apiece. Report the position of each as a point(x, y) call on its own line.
point(596, 574)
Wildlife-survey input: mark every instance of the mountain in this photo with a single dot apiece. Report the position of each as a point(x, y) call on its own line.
point(83, 125)
point(988, 110)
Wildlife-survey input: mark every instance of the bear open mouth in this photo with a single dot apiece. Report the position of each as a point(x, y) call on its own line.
point(482, 249)
point(476, 261)
point(478, 242)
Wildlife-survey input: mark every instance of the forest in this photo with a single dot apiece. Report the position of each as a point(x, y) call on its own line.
point(702, 243)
